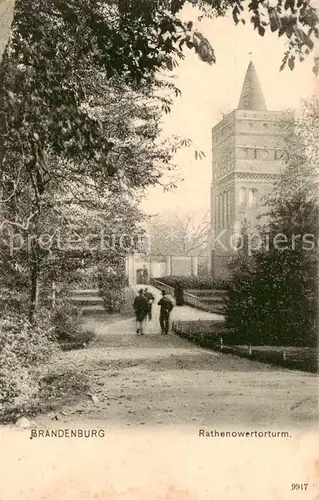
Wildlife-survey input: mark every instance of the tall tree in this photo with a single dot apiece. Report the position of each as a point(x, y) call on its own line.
point(292, 205)
point(176, 234)
point(35, 197)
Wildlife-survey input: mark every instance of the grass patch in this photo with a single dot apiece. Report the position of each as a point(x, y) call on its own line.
point(80, 340)
point(62, 387)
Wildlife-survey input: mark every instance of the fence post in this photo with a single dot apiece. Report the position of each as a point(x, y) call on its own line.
point(221, 343)
point(250, 350)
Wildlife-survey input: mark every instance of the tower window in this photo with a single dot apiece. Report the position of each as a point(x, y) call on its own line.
point(253, 197)
point(255, 154)
point(242, 196)
point(228, 208)
point(220, 212)
point(217, 212)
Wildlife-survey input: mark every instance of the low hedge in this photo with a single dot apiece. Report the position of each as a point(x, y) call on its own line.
point(193, 282)
point(207, 293)
point(204, 333)
point(302, 359)
point(205, 327)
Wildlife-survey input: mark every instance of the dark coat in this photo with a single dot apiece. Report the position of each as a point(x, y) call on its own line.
point(141, 307)
point(150, 297)
point(166, 304)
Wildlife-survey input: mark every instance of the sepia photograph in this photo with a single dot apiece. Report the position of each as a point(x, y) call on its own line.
point(159, 176)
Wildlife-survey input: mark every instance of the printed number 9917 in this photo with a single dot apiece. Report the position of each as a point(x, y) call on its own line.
point(299, 486)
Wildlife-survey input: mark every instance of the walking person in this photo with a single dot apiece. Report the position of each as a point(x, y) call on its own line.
point(166, 307)
point(179, 294)
point(141, 308)
point(150, 299)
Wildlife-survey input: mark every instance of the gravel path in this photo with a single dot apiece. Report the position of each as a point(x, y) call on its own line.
point(164, 380)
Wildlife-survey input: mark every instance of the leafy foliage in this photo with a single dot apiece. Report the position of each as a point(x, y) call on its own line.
point(66, 321)
point(24, 349)
point(67, 328)
point(76, 199)
point(274, 303)
point(112, 284)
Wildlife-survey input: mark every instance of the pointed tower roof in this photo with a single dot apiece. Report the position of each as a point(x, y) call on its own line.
point(252, 96)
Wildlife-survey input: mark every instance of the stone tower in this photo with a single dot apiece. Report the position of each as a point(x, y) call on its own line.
point(247, 146)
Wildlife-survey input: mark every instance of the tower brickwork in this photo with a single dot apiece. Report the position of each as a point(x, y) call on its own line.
point(247, 147)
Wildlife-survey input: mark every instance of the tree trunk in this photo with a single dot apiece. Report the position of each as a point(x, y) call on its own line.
point(53, 294)
point(34, 291)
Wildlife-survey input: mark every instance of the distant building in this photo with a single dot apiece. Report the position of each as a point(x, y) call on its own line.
point(247, 146)
point(141, 268)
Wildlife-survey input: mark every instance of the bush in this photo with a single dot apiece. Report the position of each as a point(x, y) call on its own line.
point(13, 301)
point(112, 283)
point(113, 300)
point(85, 279)
point(24, 350)
point(29, 344)
point(124, 306)
point(193, 282)
point(274, 301)
point(66, 321)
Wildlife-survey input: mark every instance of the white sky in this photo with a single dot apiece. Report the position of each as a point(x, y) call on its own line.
point(207, 91)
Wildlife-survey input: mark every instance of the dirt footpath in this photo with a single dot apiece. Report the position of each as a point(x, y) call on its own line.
point(164, 380)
